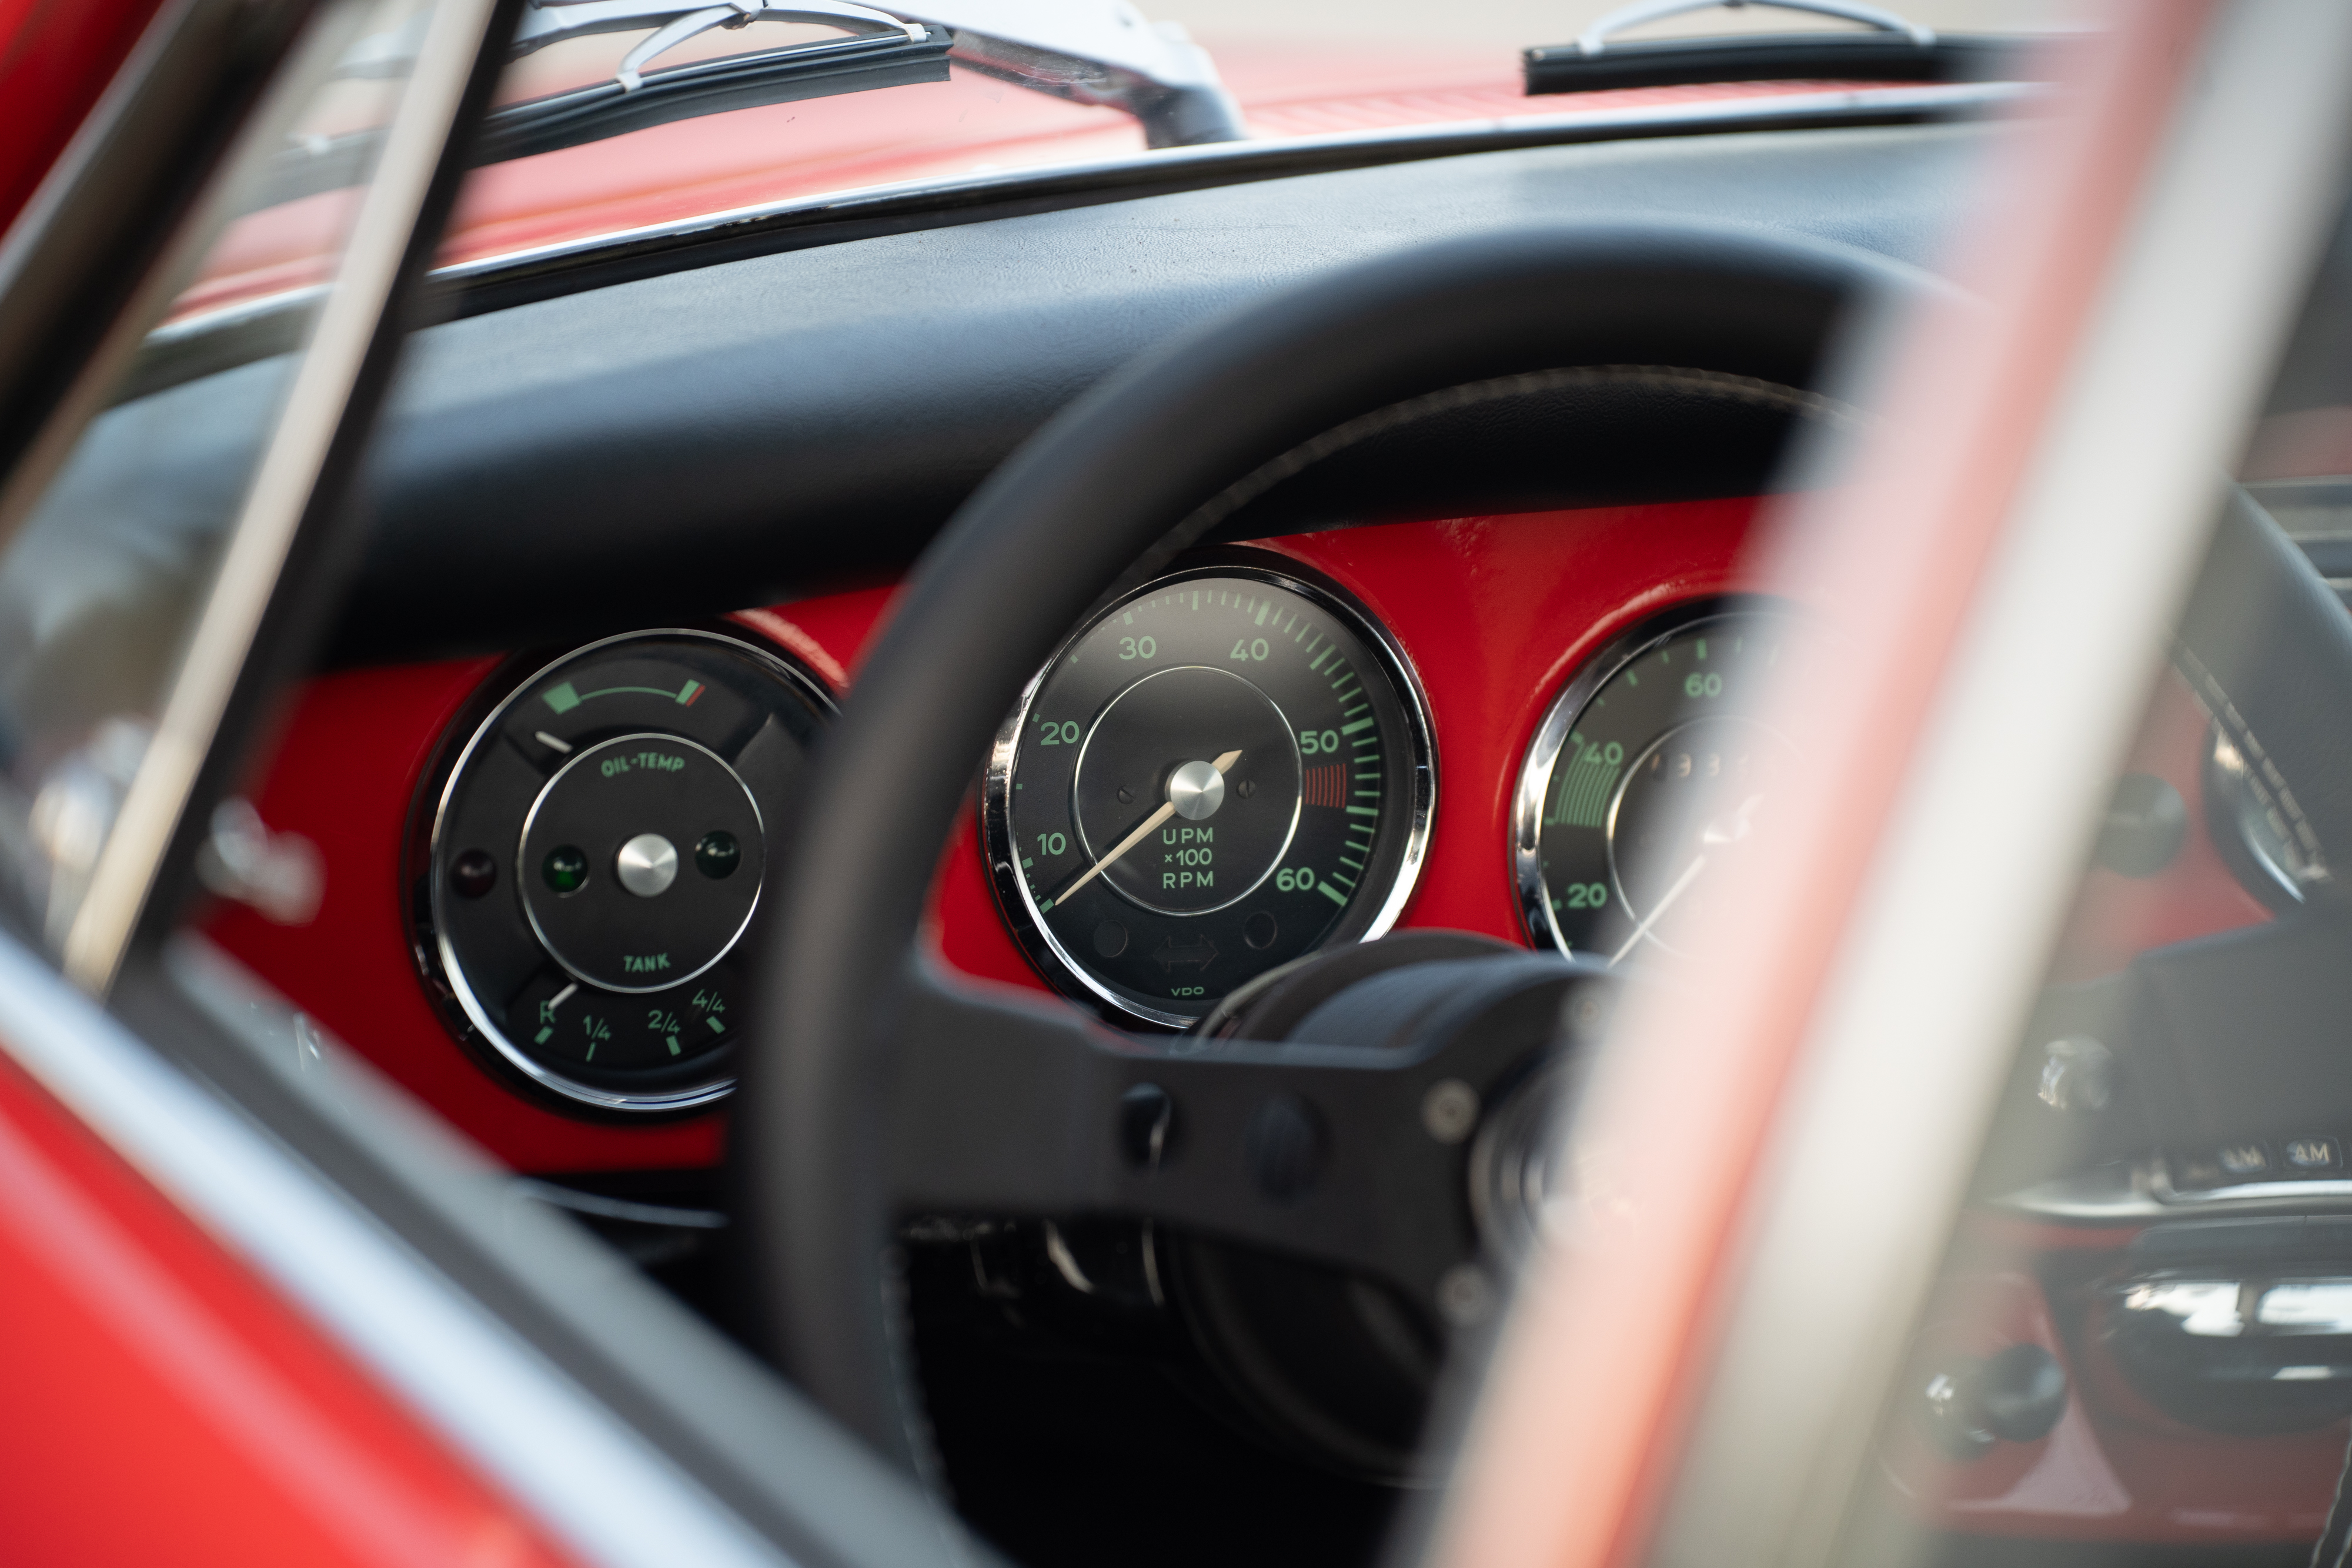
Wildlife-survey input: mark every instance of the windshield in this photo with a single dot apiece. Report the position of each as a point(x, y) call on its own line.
point(776, 110)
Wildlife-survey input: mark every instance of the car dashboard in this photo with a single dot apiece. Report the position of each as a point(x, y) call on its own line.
point(629, 538)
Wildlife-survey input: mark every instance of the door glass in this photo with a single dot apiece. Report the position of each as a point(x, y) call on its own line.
point(102, 574)
point(2140, 1346)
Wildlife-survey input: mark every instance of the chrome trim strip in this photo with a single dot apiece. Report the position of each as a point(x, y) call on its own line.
point(278, 496)
point(1170, 164)
point(592, 1480)
point(2142, 1191)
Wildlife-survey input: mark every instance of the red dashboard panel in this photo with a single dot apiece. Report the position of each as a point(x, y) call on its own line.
point(1496, 613)
point(1493, 611)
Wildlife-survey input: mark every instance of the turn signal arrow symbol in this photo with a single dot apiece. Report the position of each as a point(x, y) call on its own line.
point(1197, 953)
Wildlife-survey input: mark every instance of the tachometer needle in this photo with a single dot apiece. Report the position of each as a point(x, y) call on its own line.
point(1167, 809)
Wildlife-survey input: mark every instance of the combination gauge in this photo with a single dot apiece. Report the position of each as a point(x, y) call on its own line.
point(584, 864)
point(1223, 773)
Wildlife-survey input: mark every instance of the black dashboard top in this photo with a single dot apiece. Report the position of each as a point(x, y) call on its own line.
point(752, 431)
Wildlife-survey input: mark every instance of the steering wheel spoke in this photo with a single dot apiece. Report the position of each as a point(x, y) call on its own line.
point(873, 1096)
point(1009, 1105)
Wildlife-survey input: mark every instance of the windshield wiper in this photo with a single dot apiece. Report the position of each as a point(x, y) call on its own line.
point(1094, 52)
point(634, 102)
point(1895, 50)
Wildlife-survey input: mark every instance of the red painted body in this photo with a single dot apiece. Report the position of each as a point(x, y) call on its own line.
point(164, 1406)
point(56, 59)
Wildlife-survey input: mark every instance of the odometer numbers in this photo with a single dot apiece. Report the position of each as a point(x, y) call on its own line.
point(1224, 771)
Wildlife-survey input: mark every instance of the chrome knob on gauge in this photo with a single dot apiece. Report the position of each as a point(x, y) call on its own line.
point(584, 864)
point(1226, 770)
point(1649, 773)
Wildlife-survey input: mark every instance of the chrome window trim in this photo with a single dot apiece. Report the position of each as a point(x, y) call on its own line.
point(591, 1478)
point(279, 495)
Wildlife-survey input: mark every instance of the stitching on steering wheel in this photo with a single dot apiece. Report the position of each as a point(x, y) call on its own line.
point(1661, 378)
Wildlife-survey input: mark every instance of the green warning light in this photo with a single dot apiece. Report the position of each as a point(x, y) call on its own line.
point(718, 855)
point(565, 868)
point(564, 698)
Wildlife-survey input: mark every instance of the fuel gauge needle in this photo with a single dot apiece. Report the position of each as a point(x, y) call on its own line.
point(1167, 809)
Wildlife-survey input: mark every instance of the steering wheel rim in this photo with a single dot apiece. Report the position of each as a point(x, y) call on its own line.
point(1132, 472)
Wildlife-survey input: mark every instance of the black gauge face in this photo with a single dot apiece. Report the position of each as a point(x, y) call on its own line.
point(1224, 772)
point(1650, 770)
point(596, 852)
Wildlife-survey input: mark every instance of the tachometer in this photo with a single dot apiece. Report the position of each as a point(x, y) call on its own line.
point(1648, 770)
point(1224, 771)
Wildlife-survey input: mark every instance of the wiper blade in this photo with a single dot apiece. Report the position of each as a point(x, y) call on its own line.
point(1896, 50)
point(1774, 57)
point(712, 86)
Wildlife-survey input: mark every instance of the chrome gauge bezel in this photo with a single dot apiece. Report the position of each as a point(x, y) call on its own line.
point(1069, 974)
point(1604, 665)
point(438, 960)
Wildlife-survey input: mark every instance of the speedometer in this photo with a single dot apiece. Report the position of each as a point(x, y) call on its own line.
point(1224, 771)
point(1648, 773)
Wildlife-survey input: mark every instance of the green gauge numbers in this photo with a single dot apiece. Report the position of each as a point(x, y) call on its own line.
point(1649, 771)
point(583, 872)
point(1223, 772)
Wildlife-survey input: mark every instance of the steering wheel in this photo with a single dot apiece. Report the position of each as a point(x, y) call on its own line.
point(881, 1086)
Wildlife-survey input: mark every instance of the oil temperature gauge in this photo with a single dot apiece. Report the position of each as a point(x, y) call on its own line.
point(583, 865)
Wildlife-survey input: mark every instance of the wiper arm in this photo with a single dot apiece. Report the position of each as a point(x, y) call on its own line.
point(882, 51)
point(549, 22)
point(634, 102)
point(1098, 54)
